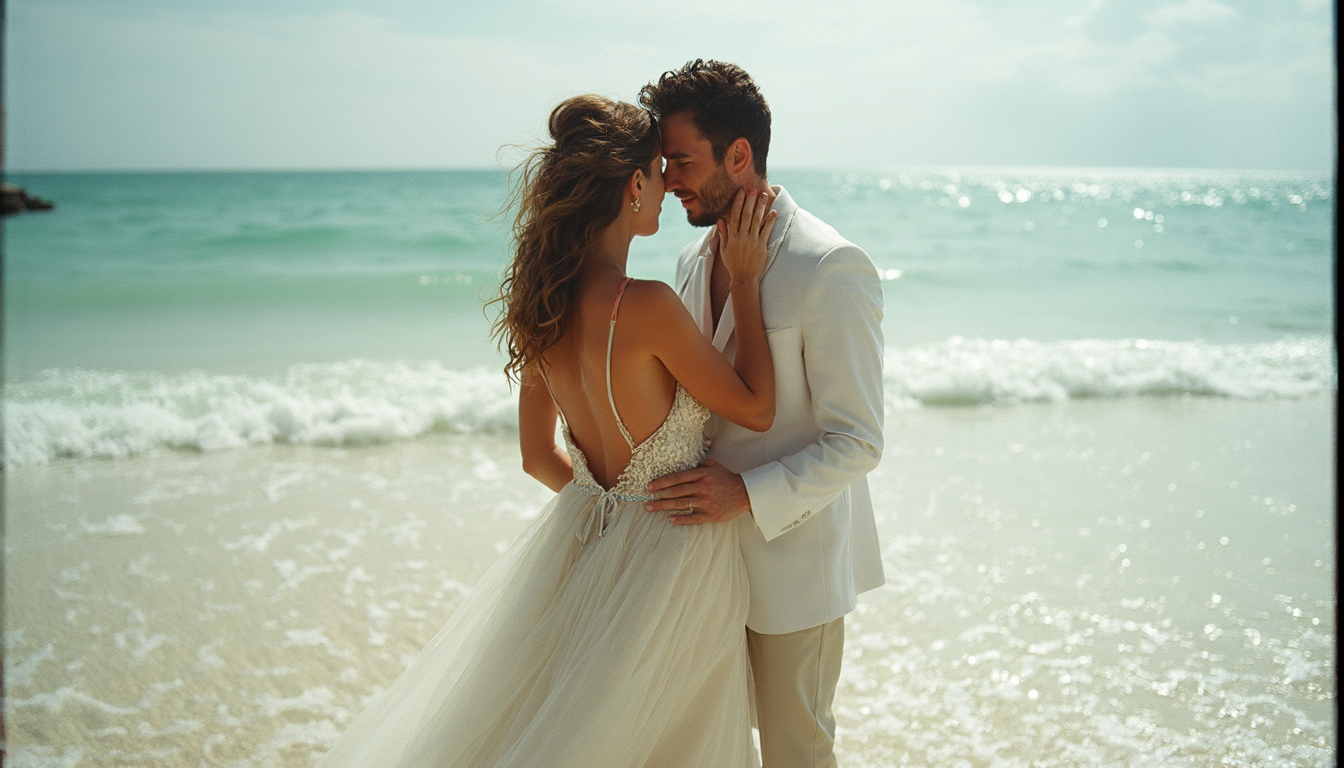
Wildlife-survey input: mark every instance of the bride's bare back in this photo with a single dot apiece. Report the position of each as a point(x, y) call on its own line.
point(654, 345)
point(576, 368)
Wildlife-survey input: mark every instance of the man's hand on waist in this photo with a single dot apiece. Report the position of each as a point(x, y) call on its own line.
point(711, 493)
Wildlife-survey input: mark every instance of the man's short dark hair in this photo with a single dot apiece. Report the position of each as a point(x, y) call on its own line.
point(722, 101)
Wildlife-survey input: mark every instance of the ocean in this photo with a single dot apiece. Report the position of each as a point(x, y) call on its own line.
point(257, 445)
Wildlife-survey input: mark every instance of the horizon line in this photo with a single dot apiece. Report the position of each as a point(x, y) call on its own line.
point(916, 167)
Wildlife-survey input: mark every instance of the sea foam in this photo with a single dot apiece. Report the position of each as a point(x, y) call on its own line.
point(87, 414)
point(82, 414)
point(979, 372)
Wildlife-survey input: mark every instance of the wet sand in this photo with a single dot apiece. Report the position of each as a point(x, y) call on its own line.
point(1142, 582)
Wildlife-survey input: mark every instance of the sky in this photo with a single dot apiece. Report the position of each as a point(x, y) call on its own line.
point(852, 84)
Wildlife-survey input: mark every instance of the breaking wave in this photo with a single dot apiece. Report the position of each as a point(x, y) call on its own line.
point(86, 414)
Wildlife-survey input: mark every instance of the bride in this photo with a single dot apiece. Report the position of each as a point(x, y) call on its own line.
point(606, 636)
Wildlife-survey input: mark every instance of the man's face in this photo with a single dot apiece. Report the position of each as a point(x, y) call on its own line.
point(702, 184)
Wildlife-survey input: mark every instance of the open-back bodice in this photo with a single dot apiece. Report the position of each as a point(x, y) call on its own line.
point(677, 444)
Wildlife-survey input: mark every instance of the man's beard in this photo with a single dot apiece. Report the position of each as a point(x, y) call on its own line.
point(716, 198)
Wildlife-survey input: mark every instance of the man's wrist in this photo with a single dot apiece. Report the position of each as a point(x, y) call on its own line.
point(744, 505)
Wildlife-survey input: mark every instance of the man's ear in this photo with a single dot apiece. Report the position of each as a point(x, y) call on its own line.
point(738, 157)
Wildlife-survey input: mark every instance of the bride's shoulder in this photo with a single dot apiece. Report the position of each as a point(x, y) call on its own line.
point(649, 295)
point(650, 305)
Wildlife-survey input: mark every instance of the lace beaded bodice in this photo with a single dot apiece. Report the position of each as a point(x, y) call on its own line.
point(678, 443)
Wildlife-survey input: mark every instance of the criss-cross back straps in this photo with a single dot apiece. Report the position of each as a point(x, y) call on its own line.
point(611, 334)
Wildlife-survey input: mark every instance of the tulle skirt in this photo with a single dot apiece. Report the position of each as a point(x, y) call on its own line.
point(629, 650)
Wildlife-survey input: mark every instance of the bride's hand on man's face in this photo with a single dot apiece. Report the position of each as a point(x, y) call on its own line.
point(744, 233)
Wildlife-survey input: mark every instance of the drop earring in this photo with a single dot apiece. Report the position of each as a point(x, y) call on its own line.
point(634, 204)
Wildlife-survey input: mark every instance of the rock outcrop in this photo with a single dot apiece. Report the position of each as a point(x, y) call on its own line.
point(15, 199)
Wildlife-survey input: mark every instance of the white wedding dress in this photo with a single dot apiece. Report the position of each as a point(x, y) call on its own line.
point(606, 637)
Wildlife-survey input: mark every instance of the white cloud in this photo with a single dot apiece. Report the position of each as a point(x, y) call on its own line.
point(851, 82)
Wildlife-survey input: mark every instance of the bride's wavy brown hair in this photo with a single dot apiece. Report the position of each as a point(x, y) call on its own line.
point(566, 193)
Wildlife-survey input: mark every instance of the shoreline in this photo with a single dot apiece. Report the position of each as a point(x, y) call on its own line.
point(75, 413)
point(1047, 596)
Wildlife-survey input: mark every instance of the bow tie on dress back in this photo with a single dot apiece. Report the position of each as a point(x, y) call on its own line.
point(597, 518)
point(603, 510)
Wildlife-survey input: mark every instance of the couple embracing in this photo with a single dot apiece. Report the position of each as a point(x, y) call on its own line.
point(712, 524)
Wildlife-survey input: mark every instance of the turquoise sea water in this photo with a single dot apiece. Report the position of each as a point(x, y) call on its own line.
point(1204, 248)
point(222, 297)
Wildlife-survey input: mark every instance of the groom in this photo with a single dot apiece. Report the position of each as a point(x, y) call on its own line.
point(799, 491)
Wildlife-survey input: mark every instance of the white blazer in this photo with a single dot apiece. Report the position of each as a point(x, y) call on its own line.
point(810, 544)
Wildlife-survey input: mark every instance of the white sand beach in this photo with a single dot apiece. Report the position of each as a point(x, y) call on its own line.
point(1141, 582)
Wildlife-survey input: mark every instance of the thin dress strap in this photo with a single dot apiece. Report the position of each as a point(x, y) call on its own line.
point(541, 369)
point(611, 334)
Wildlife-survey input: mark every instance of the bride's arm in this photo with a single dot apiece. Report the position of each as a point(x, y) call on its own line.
point(537, 415)
point(742, 244)
point(744, 392)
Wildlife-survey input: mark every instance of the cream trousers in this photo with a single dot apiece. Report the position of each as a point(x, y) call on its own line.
point(795, 676)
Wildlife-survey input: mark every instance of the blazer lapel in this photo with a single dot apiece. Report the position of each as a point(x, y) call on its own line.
point(694, 290)
point(786, 209)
